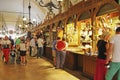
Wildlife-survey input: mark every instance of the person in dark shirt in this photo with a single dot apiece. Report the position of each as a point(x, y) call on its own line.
point(12, 41)
point(102, 46)
point(12, 54)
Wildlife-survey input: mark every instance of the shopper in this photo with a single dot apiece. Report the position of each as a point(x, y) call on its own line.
point(23, 49)
point(61, 46)
point(12, 55)
point(40, 43)
point(114, 50)
point(102, 46)
point(54, 51)
point(12, 41)
point(6, 45)
point(32, 46)
point(17, 42)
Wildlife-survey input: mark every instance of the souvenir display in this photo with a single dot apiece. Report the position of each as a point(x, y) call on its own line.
point(72, 34)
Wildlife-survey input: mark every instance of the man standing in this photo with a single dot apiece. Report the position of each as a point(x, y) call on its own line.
point(12, 41)
point(6, 45)
point(54, 51)
point(61, 46)
point(114, 50)
point(40, 43)
point(32, 46)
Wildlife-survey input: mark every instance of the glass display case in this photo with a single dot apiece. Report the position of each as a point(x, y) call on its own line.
point(72, 34)
point(107, 23)
point(86, 32)
point(85, 35)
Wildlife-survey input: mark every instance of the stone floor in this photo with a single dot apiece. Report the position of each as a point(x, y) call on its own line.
point(36, 69)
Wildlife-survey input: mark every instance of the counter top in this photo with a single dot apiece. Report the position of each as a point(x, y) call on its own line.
point(77, 50)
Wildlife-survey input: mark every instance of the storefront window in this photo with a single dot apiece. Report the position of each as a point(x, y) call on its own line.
point(72, 34)
point(85, 34)
point(107, 23)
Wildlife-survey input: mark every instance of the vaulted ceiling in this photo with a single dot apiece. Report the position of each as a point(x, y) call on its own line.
point(12, 12)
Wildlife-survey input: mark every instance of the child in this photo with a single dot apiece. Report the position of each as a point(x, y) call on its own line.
point(12, 54)
point(23, 52)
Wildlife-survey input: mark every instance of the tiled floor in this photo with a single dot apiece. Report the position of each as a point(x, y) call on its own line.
point(36, 69)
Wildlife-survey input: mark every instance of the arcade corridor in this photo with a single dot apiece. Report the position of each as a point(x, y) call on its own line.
point(36, 69)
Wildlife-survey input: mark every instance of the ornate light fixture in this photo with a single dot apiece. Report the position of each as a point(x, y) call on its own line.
point(60, 6)
point(23, 27)
point(50, 5)
point(29, 23)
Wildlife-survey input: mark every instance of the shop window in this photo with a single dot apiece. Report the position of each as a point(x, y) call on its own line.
point(72, 34)
point(107, 23)
point(71, 31)
point(85, 33)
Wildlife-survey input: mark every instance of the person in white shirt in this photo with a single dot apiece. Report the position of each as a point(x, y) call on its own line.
point(114, 51)
point(32, 47)
point(40, 43)
point(6, 45)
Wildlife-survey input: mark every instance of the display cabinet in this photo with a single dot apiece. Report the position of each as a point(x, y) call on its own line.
point(85, 35)
point(72, 34)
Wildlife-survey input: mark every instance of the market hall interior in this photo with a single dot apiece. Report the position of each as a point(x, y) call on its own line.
point(80, 22)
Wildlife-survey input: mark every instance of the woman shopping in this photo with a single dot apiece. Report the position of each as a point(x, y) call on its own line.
point(6, 45)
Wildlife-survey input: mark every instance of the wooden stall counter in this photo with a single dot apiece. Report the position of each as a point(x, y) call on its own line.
point(73, 57)
point(48, 53)
point(89, 65)
point(77, 60)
